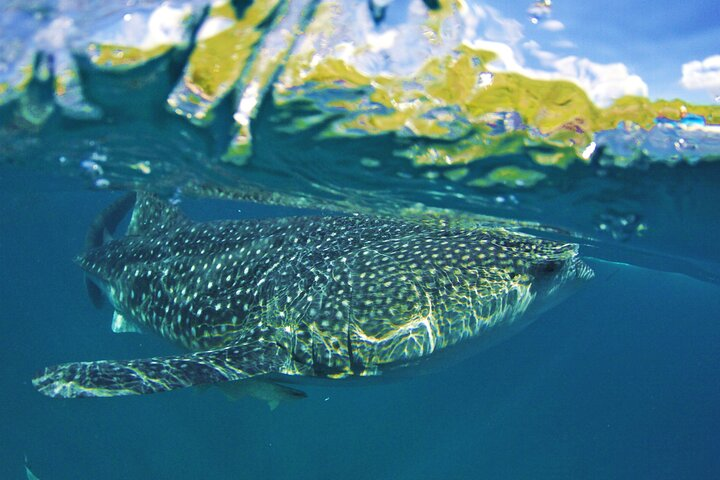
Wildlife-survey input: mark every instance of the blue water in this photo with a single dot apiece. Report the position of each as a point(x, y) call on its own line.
point(619, 381)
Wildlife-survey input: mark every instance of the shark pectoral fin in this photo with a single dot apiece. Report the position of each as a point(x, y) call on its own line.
point(151, 375)
point(263, 389)
point(120, 324)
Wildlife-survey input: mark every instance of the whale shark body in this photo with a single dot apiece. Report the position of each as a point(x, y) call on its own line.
point(331, 297)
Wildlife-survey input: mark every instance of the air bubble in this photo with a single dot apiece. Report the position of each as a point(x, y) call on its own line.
point(98, 157)
point(91, 167)
point(620, 225)
point(176, 198)
point(370, 163)
point(539, 11)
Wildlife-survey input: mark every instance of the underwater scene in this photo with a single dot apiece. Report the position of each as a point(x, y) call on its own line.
point(359, 239)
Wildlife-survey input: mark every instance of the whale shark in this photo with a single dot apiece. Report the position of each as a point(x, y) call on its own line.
point(329, 297)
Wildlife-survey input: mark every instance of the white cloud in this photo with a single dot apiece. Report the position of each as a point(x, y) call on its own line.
point(552, 25)
point(163, 26)
point(166, 25)
point(564, 44)
point(546, 58)
point(503, 29)
point(56, 35)
point(702, 74)
point(603, 82)
point(506, 59)
point(381, 41)
point(402, 49)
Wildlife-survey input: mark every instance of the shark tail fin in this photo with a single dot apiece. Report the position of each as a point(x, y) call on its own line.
point(104, 226)
point(135, 377)
point(153, 214)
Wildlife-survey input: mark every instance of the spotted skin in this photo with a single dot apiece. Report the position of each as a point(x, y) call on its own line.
point(313, 296)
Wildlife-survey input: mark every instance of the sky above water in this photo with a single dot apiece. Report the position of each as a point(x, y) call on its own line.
point(660, 49)
point(670, 47)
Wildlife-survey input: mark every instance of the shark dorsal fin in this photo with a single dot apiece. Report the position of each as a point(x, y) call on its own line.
point(152, 214)
point(100, 232)
point(105, 224)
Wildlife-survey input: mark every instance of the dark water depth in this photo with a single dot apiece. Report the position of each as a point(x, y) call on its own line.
point(620, 381)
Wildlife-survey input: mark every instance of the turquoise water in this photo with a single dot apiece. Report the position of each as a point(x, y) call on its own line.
point(618, 381)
